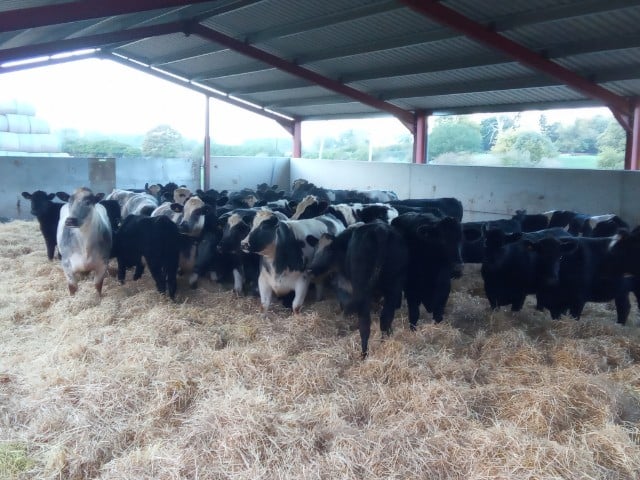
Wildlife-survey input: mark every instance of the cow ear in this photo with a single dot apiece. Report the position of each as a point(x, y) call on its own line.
point(311, 240)
point(204, 210)
point(636, 231)
point(323, 205)
point(222, 200)
point(51, 196)
point(248, 219)
point(99, 196)
point(176, 207)
point(512, 237)
point(64, 196)
point(26, 195)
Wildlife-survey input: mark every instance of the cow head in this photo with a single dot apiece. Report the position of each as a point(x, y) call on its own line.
point(624, 252)
point(446, 235)
point(81, 206)
point(193, 216)
point(495, 240)
point(235, 228)
point(325, 257)
point(549, 252)
point(309, 207)
point(39, 201)
point(181, 195)
point(262, 237)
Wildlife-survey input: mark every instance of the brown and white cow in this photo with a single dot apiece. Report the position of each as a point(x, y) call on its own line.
point(84, 238)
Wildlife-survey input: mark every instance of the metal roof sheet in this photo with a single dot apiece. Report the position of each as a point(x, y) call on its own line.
point(309, 59)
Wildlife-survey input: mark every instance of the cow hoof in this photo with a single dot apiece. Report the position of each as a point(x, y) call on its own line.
point(73, 289)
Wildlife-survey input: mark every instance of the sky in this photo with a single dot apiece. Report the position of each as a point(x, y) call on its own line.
point(101, 95)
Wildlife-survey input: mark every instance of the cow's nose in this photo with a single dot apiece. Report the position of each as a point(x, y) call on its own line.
point(245, 246)
point(71, 222)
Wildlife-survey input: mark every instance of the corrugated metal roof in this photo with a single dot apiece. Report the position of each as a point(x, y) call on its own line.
point(310, 59)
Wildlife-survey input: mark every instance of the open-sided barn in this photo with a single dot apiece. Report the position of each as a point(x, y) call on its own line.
point(132, 385)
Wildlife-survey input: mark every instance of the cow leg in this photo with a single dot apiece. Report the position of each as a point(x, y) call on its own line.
point(266, 293)
point(193, 280)
point(238, 281)
point(50, 249)
point(413, 306)
point(99, 275)
point(139, 270)
point(158, 276)
point(171, 271)
point(122, 270)
point(575, 310)
point(623, 307)
point(364, 319)
point(302, 286)
point(518, 302)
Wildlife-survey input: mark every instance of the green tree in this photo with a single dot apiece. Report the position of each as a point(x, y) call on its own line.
point(454, 135)
point(551, 131)
point(526, 147)
point(611, 146)
point(489, 131)
point(162, 141)
point(80, 147)
point(582, 136)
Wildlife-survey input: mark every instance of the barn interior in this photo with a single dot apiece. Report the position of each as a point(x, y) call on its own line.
point(132, 385)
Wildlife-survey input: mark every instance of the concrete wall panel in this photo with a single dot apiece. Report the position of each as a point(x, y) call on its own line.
point(235, 173)
point(135, 172)
point(342, 174)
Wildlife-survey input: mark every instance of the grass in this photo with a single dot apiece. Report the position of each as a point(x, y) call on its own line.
point(134, 386)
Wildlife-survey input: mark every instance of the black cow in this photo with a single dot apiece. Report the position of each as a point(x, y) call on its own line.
point(473, 236)
point(157, 240)
point(47, 213)
point(449, 206)
point(434, 258)
point(515, 265)
point(586, 274)
point(531, 222)
point(371, 260)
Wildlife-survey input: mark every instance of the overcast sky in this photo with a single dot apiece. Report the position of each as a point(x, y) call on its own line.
point(101, 95)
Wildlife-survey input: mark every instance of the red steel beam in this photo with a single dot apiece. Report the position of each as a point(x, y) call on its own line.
point(634, 159)
point(420, 139)
point(452, 19)
point(297, 139)
point(44, 15)
point(405, 116)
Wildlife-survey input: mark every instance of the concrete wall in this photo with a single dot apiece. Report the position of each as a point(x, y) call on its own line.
point(53, 174)
point(487, 192)
point(235, 173)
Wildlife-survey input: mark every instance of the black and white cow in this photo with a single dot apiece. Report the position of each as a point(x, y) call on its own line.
point(449, 206)
point(157, 240)
point(434, 258)
point(515, 265)
point(348, 213)
point(47, 213)
point(370, 261)
point(84, 238)
point(245, 266)
point(286, 248)
point(111, 206)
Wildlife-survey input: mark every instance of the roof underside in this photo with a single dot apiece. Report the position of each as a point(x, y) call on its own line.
point(346, 58)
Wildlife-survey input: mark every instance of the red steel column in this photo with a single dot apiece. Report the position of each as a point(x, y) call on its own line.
point(634, 161)
point(297, 139)
point(420, 138)
point(207, 147)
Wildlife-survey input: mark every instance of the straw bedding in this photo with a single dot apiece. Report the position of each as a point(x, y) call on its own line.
point(134, 386)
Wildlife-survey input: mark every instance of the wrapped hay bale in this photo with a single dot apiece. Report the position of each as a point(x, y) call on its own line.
point(37, 125)
point(9, 142)
point(4, 123)
point(18, 123)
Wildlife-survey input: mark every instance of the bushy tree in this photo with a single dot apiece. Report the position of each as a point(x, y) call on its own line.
point(529, 145)
point(79, 147)
point(454, 135)
point(582, 136)
point(162, 141)
point(611, 146)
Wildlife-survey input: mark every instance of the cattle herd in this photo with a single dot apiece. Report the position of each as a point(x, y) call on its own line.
point(364, 245)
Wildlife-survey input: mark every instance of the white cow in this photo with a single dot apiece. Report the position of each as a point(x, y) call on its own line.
point(84, 238)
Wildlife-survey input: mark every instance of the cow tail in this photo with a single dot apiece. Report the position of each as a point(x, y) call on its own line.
point(375, 265)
